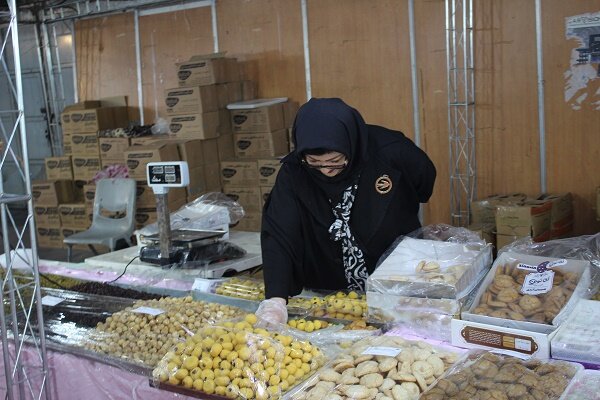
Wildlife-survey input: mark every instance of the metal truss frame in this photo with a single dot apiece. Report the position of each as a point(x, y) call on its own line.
point(461, 108)
point(21, 316)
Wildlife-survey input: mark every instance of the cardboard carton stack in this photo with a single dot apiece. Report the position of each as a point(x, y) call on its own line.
point(47, 196)
point(506, 218)
point(260, 140)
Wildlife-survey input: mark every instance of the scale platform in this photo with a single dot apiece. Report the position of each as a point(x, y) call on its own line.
point(146, 273)
point(185, 238)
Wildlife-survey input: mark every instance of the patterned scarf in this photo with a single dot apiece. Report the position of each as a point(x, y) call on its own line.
point(354, 261)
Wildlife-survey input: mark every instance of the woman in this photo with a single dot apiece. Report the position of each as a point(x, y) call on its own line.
point(341, 198)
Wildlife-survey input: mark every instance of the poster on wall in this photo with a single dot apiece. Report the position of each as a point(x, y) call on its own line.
point(582, 88)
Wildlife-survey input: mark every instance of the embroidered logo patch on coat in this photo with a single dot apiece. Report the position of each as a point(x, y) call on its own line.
point(383, 184)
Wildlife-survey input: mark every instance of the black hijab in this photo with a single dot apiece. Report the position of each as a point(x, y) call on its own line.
point(333, 125)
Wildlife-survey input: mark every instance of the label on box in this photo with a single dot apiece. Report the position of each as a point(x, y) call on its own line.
point(148, 310)
point(538, 283)
point(499, 340)
point(544, 266)
point(51, 301)
point(382, 351)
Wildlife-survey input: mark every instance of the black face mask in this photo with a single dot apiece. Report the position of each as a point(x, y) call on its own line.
point(330, 124)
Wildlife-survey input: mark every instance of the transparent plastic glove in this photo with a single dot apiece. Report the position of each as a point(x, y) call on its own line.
point(272, 311)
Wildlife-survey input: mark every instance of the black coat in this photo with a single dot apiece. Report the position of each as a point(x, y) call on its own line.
point(296, 249)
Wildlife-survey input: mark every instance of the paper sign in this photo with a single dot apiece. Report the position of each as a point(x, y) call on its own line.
point(148, 310)
point(538, 283)
point(382, 351)
point(202, 285)
point(51, 301)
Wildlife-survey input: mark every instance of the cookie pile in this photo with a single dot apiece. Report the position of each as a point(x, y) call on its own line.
point(503, 297)
point(493, 377)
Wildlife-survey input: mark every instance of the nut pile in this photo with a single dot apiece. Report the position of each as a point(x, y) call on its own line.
point(348, 306)
point(308, 325)
point(146, 338)
point(104, 289)
point(503, 297)
point(239, 360)
point(360, 375)
point(242, 288)
point(495, 377)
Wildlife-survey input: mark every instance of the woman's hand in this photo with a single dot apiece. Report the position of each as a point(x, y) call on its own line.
point(273, 311)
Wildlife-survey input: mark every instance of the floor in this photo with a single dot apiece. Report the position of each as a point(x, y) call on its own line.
point(19, 215)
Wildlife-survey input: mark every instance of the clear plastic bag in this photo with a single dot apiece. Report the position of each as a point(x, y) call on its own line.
point(446, 265)
point(239, 287)
point(378, 366)
point(508, 298)
point(578, 339)
point(484, 375)
point(238, 360)
point(210, 211)
point(585, 386)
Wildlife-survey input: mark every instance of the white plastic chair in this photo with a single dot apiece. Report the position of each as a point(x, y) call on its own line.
point(112, 195)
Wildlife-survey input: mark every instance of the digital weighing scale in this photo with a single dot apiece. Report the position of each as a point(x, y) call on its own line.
point(180, 248)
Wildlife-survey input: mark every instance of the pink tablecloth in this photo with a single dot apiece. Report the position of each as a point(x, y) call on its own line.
point(76, 378)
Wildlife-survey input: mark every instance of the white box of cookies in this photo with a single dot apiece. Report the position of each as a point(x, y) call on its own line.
point(431, 268)
point(528, 292)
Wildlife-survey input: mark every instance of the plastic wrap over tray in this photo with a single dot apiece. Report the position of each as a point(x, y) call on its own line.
point(238, 359)
point(378, 366)
point(578, 339)
point(430, 268)
point(485, 375)
point(585, 386)
point(424, 316)
point(502, 298)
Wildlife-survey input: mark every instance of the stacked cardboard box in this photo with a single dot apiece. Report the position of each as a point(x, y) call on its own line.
point(514, 216)
point(47, 196)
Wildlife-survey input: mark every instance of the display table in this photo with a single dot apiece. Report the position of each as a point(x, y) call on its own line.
point(72, 377)
point(109, 266)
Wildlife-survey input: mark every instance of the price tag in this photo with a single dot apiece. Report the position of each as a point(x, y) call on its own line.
point(382, 351)
point(148, 310)
point(202, 285)
point(538, 283)
point(51, 301)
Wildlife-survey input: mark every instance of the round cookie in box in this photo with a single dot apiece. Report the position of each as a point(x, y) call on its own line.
point(530, 292)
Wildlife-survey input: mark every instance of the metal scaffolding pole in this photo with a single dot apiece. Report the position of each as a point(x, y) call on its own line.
point(461, 108)
point(21, 322)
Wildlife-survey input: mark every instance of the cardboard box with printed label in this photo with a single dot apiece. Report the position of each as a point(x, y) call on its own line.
point(255, 145)
point(268, 168)
point(67, 147)
point(208, 69)
point(257, 120)
point(59, 168)
point(505, 240)
point(52, 193)
point(224, 122)
point(265, 192)
point(515, 342)
point(139, 156)
point(73, 215)
point(85, 168)
point(248, 197)
point(484, 211)
point(112, 148)
point(191, 100)
point(532, 218)
point(290, 109)
point(229, 92)
point(198, 152)
point(95, 119)
point(47, 217)
point(562, 214)
point(250, 223)
point(146, 198)
point(225, 146)
point(85, 145)
point(239, 172)
point(204, 179)
point(89, 192)
point(145, 140)
point(195, 126)
point(49, 237)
